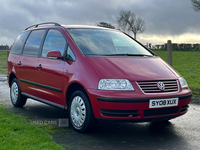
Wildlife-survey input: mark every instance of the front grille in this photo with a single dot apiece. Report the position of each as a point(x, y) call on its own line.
point(161, 111)
point(119, 113)
point(151, 86)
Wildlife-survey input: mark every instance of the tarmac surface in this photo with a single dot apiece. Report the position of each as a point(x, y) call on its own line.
point(179, 133)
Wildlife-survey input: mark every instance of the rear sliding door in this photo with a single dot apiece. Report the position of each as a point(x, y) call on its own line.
point(28, 63)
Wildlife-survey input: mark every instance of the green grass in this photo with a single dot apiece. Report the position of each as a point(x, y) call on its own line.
point(3, 60)
point(16, 133)
point(188, 65)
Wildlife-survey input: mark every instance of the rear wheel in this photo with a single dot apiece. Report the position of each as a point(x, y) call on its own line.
point(80, 112)
point(17, 99)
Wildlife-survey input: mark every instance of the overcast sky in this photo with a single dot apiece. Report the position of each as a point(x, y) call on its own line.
point(165, 19)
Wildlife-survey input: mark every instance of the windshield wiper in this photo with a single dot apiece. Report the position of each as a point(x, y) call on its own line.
point(142, 55)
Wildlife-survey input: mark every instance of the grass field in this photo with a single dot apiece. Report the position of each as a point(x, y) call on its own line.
point(16, 133)
point(188, 65)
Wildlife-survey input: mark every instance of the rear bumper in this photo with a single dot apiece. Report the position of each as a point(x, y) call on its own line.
point(116, 108)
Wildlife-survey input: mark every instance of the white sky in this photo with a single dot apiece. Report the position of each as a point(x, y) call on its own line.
point(165, 19)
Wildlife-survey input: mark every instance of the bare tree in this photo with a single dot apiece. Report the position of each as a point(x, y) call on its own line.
point(106, 25)
point(196, 5)
point(130, 22)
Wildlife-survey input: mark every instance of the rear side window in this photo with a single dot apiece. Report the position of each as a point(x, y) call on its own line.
point(54, 41)
point(33, 42)
point(19, 43)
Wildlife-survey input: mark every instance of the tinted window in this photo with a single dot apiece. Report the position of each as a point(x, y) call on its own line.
point(19, 43)
point(54, 41)
point(33, 43)
point(106, 42)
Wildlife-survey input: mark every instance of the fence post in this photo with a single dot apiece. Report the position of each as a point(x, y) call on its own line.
point(7, 51)
point(169, 52)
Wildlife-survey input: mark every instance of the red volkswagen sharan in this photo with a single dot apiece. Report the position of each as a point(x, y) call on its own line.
point(95, 73)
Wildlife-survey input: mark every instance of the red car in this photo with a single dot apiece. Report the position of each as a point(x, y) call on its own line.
point(95, 73)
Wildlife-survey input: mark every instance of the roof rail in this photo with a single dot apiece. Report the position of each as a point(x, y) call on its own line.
point(36, 25)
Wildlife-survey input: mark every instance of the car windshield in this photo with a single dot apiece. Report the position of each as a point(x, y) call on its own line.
point(106, 43)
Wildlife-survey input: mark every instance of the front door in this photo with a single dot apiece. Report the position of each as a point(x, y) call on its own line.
point(51, 70)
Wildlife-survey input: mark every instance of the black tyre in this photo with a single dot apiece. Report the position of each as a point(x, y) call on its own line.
point(17, 99)
point(81, 113)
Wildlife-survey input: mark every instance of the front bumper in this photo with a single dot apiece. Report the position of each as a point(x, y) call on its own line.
point(121, 106)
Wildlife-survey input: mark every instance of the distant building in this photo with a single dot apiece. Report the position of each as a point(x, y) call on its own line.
point(160, 46)
point(188, 46)
point(4, 47)
point(175, 45)
point(196, 45)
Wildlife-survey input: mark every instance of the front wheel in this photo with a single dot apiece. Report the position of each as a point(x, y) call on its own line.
point(80, 112)
point(17, 99)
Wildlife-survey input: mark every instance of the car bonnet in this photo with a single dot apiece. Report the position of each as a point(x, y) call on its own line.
point(132, 68)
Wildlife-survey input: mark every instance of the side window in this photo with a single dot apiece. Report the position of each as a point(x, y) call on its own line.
point(33, 42)
point(70, 54)
point(19, 43)
point(54, 41)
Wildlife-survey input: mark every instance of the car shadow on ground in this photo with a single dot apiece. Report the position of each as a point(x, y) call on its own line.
point(112, 135)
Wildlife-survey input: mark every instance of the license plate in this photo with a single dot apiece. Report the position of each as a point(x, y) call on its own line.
point(158, 103)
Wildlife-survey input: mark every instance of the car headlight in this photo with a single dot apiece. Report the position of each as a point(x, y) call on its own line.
point(115, 84)
point(183, 82)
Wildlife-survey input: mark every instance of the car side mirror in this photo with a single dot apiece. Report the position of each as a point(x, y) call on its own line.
point(54, 54)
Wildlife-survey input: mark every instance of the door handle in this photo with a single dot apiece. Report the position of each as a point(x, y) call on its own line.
point(39, 66)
